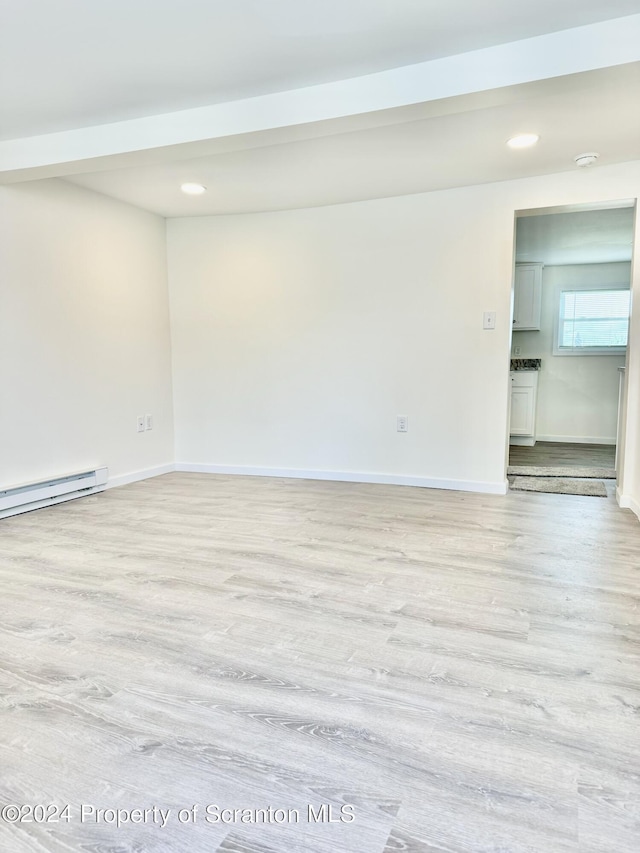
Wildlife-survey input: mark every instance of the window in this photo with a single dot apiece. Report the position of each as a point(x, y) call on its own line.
point(593, 322)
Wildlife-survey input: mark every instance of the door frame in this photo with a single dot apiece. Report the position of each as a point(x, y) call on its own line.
point(632, 343)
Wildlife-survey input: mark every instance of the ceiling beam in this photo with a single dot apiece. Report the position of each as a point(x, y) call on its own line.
point(180, 135)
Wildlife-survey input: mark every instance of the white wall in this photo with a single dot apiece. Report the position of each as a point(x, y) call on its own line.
point(298, 336)
point(577, 395)
point(84, 334)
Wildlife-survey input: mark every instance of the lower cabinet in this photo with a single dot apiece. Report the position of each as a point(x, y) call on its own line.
point(524, 392)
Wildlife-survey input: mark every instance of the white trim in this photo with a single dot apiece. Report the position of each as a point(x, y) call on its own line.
point(522, 440)
point(627, 502)
point(577, 208)
point(588, 351)
point(485, 487)
point(135, 476)
point(576, 439)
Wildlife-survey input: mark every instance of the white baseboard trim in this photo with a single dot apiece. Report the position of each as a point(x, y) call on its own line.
point(627, 502)
point(145, 474)
point(486, 487)
point(522, 440)
point(576, 439)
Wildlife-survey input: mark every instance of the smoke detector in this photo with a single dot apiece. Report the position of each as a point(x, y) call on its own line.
point(587, 159)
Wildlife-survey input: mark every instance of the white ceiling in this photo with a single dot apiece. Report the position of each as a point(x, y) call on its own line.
point(258, 99)
point(578, 237)
point(74, 63)
point(457, 142)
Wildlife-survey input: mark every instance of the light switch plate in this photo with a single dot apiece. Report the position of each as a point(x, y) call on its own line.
point(489, 320)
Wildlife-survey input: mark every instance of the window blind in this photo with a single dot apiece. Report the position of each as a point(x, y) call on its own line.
point(593, 319)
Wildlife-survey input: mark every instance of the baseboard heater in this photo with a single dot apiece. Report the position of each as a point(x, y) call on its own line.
point(28, 496)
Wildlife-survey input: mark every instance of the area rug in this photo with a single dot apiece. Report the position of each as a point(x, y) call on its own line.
point(561, 471)
point(559, 485)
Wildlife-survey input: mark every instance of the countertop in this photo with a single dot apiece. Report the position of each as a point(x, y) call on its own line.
point(526, 363)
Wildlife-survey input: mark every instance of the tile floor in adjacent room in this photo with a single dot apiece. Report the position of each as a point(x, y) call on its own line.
point(550, 453)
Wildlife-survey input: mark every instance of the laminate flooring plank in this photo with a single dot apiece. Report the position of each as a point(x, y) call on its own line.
point(460, 669)
point(400, 841)
point(603, 803)
point(237, 843)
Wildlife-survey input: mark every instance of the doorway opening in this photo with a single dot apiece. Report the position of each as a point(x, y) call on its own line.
point(570, 327)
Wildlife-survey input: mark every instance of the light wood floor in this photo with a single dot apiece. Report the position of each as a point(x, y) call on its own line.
point(462, 669)
point(560, 453)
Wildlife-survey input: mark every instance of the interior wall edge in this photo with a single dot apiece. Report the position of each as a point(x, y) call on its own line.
point(627, 502)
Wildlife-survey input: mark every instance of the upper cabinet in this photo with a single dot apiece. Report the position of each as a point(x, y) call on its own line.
point(527, 297)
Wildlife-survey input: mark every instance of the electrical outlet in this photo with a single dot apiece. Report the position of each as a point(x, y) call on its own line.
point(140, 423)
point(148, 422)
point(517, 350)
point(402, 423)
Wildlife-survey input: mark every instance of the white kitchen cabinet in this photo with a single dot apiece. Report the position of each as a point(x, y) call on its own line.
point(524, 393)
point(527, 297)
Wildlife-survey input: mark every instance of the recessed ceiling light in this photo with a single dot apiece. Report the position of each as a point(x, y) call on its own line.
point(523, 140)
point(587, 159)
point(193, 189)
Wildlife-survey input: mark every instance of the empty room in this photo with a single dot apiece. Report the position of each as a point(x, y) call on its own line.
point(319, 426)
